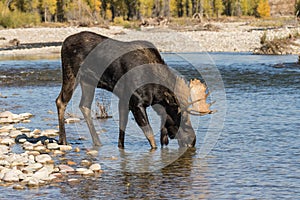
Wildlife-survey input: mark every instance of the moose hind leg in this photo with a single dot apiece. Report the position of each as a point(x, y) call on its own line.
point(61, 103)
point(141, 118)
point(87, 97)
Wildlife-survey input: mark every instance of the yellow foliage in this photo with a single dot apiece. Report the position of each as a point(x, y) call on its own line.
point(263, 8)
point(95, 5)
point(146, 7)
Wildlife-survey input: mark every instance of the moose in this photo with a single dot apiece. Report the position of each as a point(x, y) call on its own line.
point(136, 73)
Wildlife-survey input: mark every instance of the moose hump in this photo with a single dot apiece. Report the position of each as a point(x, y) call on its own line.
point(199, 94)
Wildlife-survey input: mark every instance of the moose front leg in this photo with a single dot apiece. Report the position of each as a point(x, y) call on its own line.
point(87, 97)
point(141, 118)
point(123, 119)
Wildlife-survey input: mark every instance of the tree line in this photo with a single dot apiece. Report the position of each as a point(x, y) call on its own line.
point(97, 10)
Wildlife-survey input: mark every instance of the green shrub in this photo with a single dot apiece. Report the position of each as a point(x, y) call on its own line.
point(14, 19)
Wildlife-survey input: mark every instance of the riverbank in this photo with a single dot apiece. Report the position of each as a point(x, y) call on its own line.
point(216, 37)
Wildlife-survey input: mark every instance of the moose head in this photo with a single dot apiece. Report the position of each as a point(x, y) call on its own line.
point(192, 99)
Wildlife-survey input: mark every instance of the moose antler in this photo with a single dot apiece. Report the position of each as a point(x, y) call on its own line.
point(198, 97)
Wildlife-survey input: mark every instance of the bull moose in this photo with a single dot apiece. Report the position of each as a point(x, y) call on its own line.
point(137, 74)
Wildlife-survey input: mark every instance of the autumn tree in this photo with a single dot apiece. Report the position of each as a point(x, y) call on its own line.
point(207, 8)
point(263, 8)
point(218, 7)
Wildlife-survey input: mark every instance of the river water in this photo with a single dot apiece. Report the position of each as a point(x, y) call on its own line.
point(256, 148)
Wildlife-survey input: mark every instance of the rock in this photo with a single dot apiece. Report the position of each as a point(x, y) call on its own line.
point(32, 167)
point(77, 149)
point(6, 114)
point(34, 153)
point(25, 130)
point(70, 162)
point(12, 175)
point(43, 158)
point(4, 149)
point(58, 152)
point(50, 132)
point(85, 163)
point(95, 167)
point(73, 180)
point(32, 182)
point(39, 148)
point(23, 140)
point(15, 133)
point(65, 168)
point(72, 120)
point(4, 163)
point(88, 172)
point(41, 174)
point(53, 146)
point(65, 147)
point(92, 152)
point(36, 132)
point(6, 128)
point(25, 115)
point(81, 170)
point(4, 134)
point(18, 187)
point(7, 141)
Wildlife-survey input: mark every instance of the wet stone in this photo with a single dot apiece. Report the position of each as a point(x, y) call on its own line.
point(95, 167)
point(52, 146)
point(43, 158)
point(66, 168)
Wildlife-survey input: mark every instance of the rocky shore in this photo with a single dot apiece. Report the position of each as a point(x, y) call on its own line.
point(37, 163)
point(223, 37)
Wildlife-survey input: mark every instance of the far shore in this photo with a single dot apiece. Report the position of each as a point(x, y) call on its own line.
point(224, 37)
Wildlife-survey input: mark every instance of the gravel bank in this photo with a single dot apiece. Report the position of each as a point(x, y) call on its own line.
point(229, 37)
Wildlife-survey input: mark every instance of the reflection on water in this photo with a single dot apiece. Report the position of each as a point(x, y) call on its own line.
point(256, 157)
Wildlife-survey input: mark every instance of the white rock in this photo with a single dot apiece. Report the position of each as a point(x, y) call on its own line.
point(4, 134)
point(88, 172)
point(43, 158)
point(41, 174)
point(4, 149)
point(7, 141)
point(66, 168)
point(6, 114)
point(72, 120)
point(95, 167)
point(7, 128)
point(73, 180)
point(92, 152)
point(32, 182)
point(34, 153)
point(12, 175)
point(65, 147)
point(32, 167)
point(81, 170)
point(25, 130)
point(3, 172)
point(15, 133)
point(23, 140)
point(25, 115)
point(36, 132)
point(85, 163)
point(53, 146)
point(39, 148)
point(4, 163)
point(50, 132)
point(58, 152)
